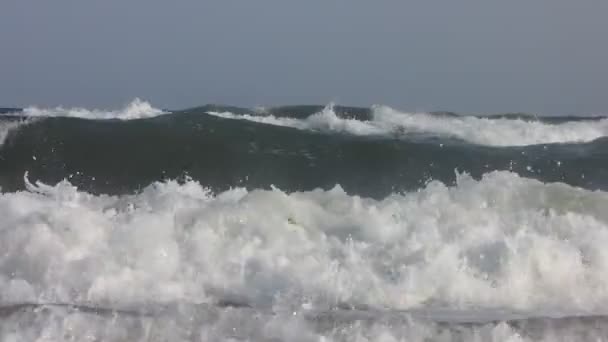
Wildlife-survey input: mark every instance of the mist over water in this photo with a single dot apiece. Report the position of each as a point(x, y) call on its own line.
point(302, 223)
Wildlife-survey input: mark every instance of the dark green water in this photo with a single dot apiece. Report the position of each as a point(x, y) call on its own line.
point(114, 156)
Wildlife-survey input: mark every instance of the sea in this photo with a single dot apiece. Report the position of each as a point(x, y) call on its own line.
point(301, 223)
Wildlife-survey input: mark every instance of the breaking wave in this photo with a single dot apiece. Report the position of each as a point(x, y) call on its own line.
point(500, 131)
point(501, 242)
point(137, 109)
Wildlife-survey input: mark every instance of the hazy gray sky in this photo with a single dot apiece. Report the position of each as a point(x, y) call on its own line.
point(544, 56)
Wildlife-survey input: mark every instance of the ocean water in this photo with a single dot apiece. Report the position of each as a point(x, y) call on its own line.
point(301, 223)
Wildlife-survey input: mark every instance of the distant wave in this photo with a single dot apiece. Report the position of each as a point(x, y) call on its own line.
point(223, 153)
point(499, 131)
point(137, 109)
point(516, 129)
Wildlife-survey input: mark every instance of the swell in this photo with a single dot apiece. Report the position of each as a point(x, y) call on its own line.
point(116, 156)
point(144, 109)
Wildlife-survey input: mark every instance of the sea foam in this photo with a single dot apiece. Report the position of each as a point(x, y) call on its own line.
point(500, 242)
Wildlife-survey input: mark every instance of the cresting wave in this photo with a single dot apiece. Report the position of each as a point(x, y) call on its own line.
point(505, 130)
point(478, 130)
point(224, 153)
point(137, 109)
point(503, 242)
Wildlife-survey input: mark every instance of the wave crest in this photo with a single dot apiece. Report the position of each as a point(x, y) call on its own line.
point(386, 121)
point(136, 109)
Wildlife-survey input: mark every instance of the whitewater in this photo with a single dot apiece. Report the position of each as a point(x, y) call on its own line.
point(483, 131)
point(233, 224)
point(502, 243)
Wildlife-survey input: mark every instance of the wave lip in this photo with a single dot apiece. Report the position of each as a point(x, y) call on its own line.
point(385, 121)
point(137, 109)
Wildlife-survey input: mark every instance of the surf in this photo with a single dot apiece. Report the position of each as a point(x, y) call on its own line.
point(415, 265)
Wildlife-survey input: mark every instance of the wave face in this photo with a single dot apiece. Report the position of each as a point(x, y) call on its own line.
point(122, 156)
point(301, 223)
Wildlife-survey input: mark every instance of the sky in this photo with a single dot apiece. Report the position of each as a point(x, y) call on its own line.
point(470, 56)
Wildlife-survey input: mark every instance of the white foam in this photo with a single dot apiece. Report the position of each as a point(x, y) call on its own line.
point(504, 241)
point(483, 131)
point(426, 230)
point(325, 121)
point(494, 132)
point(137, 109)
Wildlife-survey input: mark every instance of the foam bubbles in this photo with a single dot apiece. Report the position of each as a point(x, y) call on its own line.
point(483, 131)
point(137, 109)
point(501, 242)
